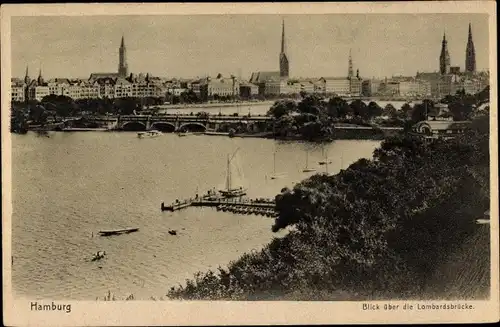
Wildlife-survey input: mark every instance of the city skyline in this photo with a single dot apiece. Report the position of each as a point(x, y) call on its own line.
point(182, 46)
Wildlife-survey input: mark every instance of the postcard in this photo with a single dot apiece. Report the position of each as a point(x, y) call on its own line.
point(249, 164)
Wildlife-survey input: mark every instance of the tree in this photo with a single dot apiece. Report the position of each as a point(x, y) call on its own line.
point(64, 106)
point(127, 106)
point(312, 104)
point(374, 110)
point(316, 131)
point(337, 107)
point(176, 99)
point(448, 99)
point(284, 125)
point(460, 109)
point(282, 107)
point(390, 111)
point(302, 119)
point(419, 113)
point(38, 114)
point(359, 108)
point(405, 111)
point(189, 97)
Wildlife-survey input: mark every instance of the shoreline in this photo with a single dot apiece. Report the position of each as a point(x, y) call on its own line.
point(213, 105)
point(263, 135)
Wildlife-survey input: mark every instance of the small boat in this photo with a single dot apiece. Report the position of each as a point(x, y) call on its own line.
point(172, 232)
point(275, 175)
point(231, 192)
point(149, 134)
point(308, 169)
point(482, 221)
point(99, 255)
point(325, 161)
point(485, 219)
point(117, 231)
point(181, 134)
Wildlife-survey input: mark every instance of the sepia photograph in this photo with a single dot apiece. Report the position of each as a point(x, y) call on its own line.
point(174, 157)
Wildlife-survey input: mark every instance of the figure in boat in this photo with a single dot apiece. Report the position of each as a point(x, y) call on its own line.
point(172, 232)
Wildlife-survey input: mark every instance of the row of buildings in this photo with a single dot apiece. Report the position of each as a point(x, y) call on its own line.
point(261, 84)
point(448, 80)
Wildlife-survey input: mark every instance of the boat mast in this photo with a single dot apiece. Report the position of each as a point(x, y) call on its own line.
point(229, 158)
point(274, 163)
point(326, 164)
point(228, 180)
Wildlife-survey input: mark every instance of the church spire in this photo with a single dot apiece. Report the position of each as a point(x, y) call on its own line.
point(350, 71)
point(40, 78)
point(283, 36)
point(122, 65)
point(470, 53)
point(26, 76)
point(444, 58)
point(284, 64)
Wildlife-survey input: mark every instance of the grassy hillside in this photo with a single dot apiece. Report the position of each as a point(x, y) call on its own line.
point(466, 272)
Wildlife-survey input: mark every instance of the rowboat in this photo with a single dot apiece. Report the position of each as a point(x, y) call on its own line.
point(117, 231)
point(150, 134)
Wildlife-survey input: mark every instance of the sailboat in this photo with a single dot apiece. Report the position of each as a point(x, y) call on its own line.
point(308, 169)
point(275, 175)
point(325, 161)
point(230, 191)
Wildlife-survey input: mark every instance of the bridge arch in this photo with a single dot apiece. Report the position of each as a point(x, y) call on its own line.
point(133, 126)
point(163, 127)
point(193, 127)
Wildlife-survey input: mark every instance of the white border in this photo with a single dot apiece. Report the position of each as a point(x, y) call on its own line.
point(17, 312)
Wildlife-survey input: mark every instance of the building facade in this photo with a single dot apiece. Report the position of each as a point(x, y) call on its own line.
point(248, 90)
point(17, 90)
point(370, 87)
point(340, 86)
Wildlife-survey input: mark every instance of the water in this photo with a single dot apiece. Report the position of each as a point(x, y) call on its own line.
point(71, 185)
point(259, 109)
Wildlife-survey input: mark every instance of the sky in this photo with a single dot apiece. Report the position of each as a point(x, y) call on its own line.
point(197, 45)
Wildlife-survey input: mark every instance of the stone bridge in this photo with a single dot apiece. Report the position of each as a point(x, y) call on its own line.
point(177, 123)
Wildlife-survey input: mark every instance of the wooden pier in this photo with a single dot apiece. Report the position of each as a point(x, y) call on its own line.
point(262, 207)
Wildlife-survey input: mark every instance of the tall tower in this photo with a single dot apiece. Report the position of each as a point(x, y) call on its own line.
point(444, 58)
point(122, 66)
point(350, 71)
point(40, 78)
point(284, 68)
point(27, 79)
point(470, 54)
